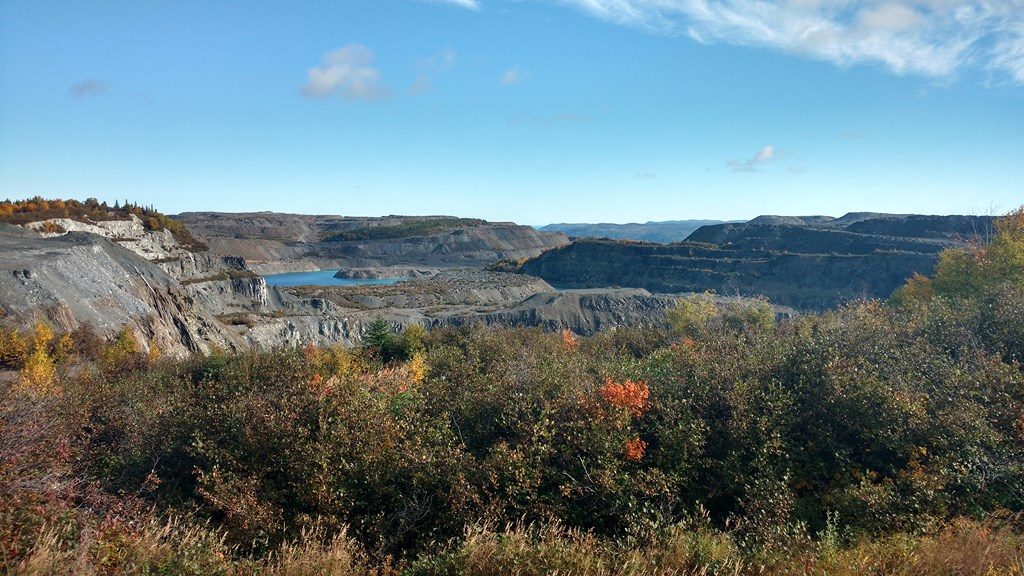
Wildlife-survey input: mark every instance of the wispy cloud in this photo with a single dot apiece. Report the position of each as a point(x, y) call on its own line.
point(429, 67)
point(421, 86)
point(89, 87)
point(512, 76)
point(470, 4)
point(443, 60)
point(347, 72)
point(754, 164)
point(935, 38)
point(524, 119)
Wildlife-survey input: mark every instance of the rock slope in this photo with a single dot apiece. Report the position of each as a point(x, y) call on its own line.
point(83, 278)
point(808, 263)
point(336, 314)
point(272, 242)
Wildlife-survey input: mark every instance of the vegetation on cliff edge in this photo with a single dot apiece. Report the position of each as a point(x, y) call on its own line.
point(406, 229)
point(91, 211)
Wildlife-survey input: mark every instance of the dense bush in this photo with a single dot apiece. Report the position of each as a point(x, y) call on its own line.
point(855, 421)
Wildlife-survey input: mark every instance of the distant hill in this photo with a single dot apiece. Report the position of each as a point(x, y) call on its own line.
point(806, 262)
point(273, 242)
point(661, 232)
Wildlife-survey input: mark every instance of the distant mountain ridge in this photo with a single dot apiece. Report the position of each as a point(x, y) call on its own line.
point(665, 232)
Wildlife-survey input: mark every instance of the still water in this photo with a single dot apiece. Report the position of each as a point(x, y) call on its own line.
point(320, 278)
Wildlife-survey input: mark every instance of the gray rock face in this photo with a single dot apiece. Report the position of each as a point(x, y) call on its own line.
point(255, 289)
point(459, 298)
point(301, 330)
point(130, 233)
point(220, 297)
point(83, 278)
point(92, 275)
point(584, 312)
point(195, 266)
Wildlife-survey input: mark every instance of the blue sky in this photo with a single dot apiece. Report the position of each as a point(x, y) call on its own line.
point(535, 111)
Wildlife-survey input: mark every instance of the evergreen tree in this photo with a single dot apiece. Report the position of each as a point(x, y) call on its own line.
point(378, 337)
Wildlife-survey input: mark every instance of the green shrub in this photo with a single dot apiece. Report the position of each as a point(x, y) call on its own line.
point(692, 314)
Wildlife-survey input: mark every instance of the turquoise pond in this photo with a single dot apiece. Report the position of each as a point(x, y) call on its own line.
point(320, 278)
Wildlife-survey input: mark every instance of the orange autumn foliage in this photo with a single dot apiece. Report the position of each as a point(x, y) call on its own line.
point(635, 449)
point(569, 340)
point(630, 395)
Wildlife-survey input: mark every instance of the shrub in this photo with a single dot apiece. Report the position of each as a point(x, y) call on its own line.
point(838, 443)
point(691, 314)
point(14, 348)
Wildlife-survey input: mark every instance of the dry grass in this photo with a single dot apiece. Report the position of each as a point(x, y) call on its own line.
point(173, 547)
point(314, 555)
point(551, 549)
point(964, 548)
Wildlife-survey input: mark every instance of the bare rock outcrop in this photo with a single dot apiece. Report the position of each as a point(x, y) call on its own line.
point(82, 278)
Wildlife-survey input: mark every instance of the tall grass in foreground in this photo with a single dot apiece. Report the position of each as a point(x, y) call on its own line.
point(963, 548)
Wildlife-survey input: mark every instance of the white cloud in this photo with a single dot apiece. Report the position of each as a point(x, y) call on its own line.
point(763, 156)
point(89, 87)
point(512, 76)
point(935, 38)
point(1009, 53)
point(347, 72)
point(470, 4)
point(891, 17)
point(766, 154)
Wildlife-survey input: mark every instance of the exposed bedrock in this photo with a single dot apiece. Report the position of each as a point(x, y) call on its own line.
point(81, 278)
